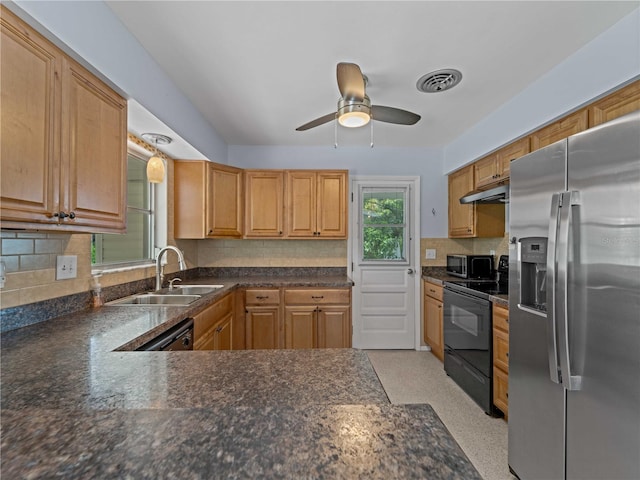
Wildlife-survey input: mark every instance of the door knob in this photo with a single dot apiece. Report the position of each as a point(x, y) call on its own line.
point(411, 271)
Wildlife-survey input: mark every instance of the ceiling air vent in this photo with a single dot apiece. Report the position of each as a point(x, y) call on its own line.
point(439, 81)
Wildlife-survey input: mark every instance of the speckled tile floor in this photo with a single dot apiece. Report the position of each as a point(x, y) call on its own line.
point(418, 377)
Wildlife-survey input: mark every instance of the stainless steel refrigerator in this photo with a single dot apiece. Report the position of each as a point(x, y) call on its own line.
point(574, 307)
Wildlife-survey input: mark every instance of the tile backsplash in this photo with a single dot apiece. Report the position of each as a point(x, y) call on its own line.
point(468, 246)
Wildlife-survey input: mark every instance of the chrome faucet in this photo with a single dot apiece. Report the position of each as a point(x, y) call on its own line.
point(160, 268)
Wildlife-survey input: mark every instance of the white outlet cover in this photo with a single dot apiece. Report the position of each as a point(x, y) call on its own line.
point(430, 253)
point(66, 267)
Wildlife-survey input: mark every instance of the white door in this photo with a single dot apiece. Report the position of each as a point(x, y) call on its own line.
point(384, 253)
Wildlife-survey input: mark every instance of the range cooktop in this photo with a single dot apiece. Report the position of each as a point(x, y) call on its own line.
point(488, 287)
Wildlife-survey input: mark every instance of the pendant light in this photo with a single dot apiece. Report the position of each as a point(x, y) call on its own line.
point(155, 165)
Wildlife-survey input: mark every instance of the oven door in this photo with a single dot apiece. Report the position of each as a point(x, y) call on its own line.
point(467, 328)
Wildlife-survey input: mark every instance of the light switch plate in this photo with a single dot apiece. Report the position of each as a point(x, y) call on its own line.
point(66, 267)
point(430, 254)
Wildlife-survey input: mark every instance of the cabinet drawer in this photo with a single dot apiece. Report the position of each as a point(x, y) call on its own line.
point(501, 390)
point(263, 297)
point(206, 319)
point(500, 318)
point(339, 296)
point(501, 349)
point(433, 290)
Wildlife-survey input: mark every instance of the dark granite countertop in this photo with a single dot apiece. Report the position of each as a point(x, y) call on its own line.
point(73, 407)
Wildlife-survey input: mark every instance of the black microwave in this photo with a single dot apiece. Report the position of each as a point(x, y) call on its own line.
point(470, 266)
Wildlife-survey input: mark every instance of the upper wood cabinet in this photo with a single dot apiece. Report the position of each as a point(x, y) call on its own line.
point(471, 220)
point(64, 139)
point(494, 169)
point(570, 125)
point(461, 217)
point(264, 203)
point(316, 203)
point(619, 103)
point(207, 200)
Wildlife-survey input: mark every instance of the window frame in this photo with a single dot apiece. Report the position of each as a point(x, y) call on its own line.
point(143, 154)
point(406, 225)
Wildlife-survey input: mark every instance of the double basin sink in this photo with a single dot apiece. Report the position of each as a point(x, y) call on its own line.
point(179, 295)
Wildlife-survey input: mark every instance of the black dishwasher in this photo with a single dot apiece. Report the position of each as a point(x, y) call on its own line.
point(178, 337)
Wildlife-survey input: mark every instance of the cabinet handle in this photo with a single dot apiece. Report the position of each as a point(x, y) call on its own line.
point(262, 297)
point(63, 215)
point(439, 306)
point(317, 297)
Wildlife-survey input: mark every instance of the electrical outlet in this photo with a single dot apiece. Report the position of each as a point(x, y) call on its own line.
point(492, 252)
point(66, 267)
point(430, 254)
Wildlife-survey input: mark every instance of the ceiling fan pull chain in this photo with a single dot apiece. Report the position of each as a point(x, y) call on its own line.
point(371, 134)
point(335, 133)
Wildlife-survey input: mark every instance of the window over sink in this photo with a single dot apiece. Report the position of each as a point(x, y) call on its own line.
point(135, 246)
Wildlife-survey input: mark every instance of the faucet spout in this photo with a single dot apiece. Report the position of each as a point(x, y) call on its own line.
point(159, 270)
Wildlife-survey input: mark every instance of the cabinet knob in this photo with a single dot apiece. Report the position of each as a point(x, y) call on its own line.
point(507, 354)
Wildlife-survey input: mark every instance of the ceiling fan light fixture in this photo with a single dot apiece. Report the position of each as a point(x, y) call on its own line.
point(354, 119)
point(354, 113)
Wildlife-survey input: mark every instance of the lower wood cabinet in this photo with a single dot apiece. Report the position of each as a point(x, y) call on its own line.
point(213, 327)
point(262, 318)
point(501, 359)
point(317, 318)
point(432, 325)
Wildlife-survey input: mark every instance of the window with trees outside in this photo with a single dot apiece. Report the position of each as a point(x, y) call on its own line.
point(135, 246)
point(383, 223)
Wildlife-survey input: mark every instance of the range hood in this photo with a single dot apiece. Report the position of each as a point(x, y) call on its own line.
point(499, 194)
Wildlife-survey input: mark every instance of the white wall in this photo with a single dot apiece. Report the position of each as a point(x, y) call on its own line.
point(426, 162)
point(609, 60)
point(95, 34)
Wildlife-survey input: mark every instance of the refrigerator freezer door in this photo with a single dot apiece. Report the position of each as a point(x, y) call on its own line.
point(536, 404)
point(603, 416)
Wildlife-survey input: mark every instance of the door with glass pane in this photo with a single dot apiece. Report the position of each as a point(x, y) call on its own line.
point(383, 258)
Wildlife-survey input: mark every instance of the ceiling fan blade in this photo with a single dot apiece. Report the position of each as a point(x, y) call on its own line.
point(393, 115)
point(318, 121)
point(350, 81)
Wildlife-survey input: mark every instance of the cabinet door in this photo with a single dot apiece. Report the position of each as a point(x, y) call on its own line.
point(461, 217)
point(300, 327)
point(574, 123)
point(508, 154)
point(223, 333)
point(501, 350)
point(262, 327)
point(334, 326)
point(501, 390)
point(264, 203)
point(93, 151)
point(433, 326)
point(301, 203)
point(225, 205)
point(28, 124)
point(486, 171)
point(625, 100)
point(190, 199)
point(331, 210)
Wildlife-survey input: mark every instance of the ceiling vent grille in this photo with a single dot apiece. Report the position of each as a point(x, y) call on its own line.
point(439, 81)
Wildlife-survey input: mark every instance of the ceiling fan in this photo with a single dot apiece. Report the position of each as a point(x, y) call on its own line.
point(354, 107)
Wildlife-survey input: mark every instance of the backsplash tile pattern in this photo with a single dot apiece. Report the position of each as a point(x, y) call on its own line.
point(466, 246)
point(272, 253)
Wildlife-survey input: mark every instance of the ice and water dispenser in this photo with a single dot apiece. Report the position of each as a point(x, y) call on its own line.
point(533, 273)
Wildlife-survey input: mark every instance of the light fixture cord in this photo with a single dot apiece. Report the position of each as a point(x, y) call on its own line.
point(335, 133)
point(371, 122)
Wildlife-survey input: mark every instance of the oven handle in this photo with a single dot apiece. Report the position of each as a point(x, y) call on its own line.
point(482, 301)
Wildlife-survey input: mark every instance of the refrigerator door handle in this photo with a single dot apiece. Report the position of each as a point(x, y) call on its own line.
point(567, 202)
point(552, 336)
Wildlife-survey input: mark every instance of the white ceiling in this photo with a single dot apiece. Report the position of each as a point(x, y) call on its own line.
point(257, 70)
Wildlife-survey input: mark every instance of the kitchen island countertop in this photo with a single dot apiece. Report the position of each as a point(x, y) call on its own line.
point(74, 407)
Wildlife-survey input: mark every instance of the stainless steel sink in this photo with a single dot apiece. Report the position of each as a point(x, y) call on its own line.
point(155, 299)
point(194, 289)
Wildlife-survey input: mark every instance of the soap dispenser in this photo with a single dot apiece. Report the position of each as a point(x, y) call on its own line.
point(96, 290)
